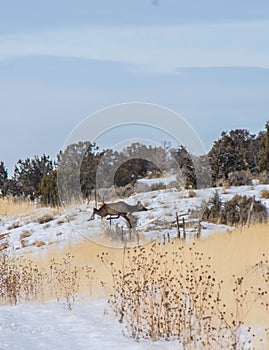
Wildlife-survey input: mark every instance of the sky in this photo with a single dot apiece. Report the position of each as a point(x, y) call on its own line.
point(62, 60)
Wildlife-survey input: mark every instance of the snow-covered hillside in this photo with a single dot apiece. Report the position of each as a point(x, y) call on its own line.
point(44, 227)
point(90, 324)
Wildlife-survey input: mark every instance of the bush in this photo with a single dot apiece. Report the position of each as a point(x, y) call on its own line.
point(192, 194)
point(49, 190)
point(264, 177)
point(45, 218)
point(163, 294)
point(158, 186)
point(238, 210)
point(23, 280)
point(240, 178)
point(264, 194)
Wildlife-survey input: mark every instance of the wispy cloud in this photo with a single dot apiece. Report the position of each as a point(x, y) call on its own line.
point(151, 48)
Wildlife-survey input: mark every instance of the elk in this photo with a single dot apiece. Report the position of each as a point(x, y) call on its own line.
point(117, 209)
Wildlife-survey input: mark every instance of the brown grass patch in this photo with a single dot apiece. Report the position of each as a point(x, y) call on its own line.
point(4, 246)
point(192, 194)
point(25, 234)
point(264, 193)
point(231, 253)
point(45, 218)
point(237, 260)
point(11, 207)
point(39, 244)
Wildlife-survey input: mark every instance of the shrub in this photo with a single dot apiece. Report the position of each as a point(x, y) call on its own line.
point(264, 177)
point(25, 234)
point(39, 244)
point(125, 191)
point(264, 194)
point(23, 280)
point(226, 185)
point(163, 294)
point(212, 208)
point(158, 186)
point(240, 178)
point(238, 210)
point(45, 218)
point(192, 194)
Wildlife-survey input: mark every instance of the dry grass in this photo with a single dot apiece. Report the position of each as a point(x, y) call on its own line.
point(201, 294)
point(237, 260)
point(231, 253)
point(23, 209)
point(44, 218)
point(23, 279)
point(39, 244)
point(25, 234)
point(11, 207)
point(226, 185)
point(192, 194)
point(264, 193)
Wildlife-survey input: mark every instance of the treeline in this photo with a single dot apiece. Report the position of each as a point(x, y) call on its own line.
point(237, 157)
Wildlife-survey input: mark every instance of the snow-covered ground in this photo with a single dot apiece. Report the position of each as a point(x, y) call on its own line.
point(90, 324)
point(44, 227)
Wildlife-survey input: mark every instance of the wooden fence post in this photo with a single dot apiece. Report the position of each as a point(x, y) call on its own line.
point(199, 229)
point(178, 229)
point(184, 229)
point(122, 234)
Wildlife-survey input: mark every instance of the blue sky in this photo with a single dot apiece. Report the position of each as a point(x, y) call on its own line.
point(62, 60)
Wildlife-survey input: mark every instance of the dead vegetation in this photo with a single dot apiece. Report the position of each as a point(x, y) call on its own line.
point(22, 279)
point(176, 291)
point(264, 193)
point(240, 210)
point(45, 218)
point(9, 206)
point(212, 295)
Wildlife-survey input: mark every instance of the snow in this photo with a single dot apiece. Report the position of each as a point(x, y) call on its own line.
point(71, 224)
point(165, 180)
point(90, 324)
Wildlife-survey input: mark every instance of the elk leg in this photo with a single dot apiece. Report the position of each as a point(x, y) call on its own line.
point(92, 216)
point(127, 219)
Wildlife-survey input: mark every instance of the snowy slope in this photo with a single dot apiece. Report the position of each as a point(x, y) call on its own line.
point(71, 224)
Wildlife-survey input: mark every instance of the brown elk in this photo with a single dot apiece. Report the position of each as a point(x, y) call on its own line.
point(117, 209)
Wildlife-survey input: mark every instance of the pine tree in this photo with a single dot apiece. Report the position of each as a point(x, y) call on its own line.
point(49, 190)
point(30, 172)
point(186, 165)
point(264, 150)
point(3, 178)
point(235, 151)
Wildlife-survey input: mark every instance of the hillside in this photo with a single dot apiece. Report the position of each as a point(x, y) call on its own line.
point(42, 227)
point(43, 234)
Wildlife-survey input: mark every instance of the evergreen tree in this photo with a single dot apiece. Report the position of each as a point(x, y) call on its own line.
point(187, 167)
point(49, 190)
point(264, 150)
point(30, 172)
point(3, 179)
point(77, 170)
point(236, 150)
point(88, 169)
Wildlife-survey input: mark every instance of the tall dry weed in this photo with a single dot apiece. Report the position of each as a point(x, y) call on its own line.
point(22, 279)
point(12, 207)
point(204, 300)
